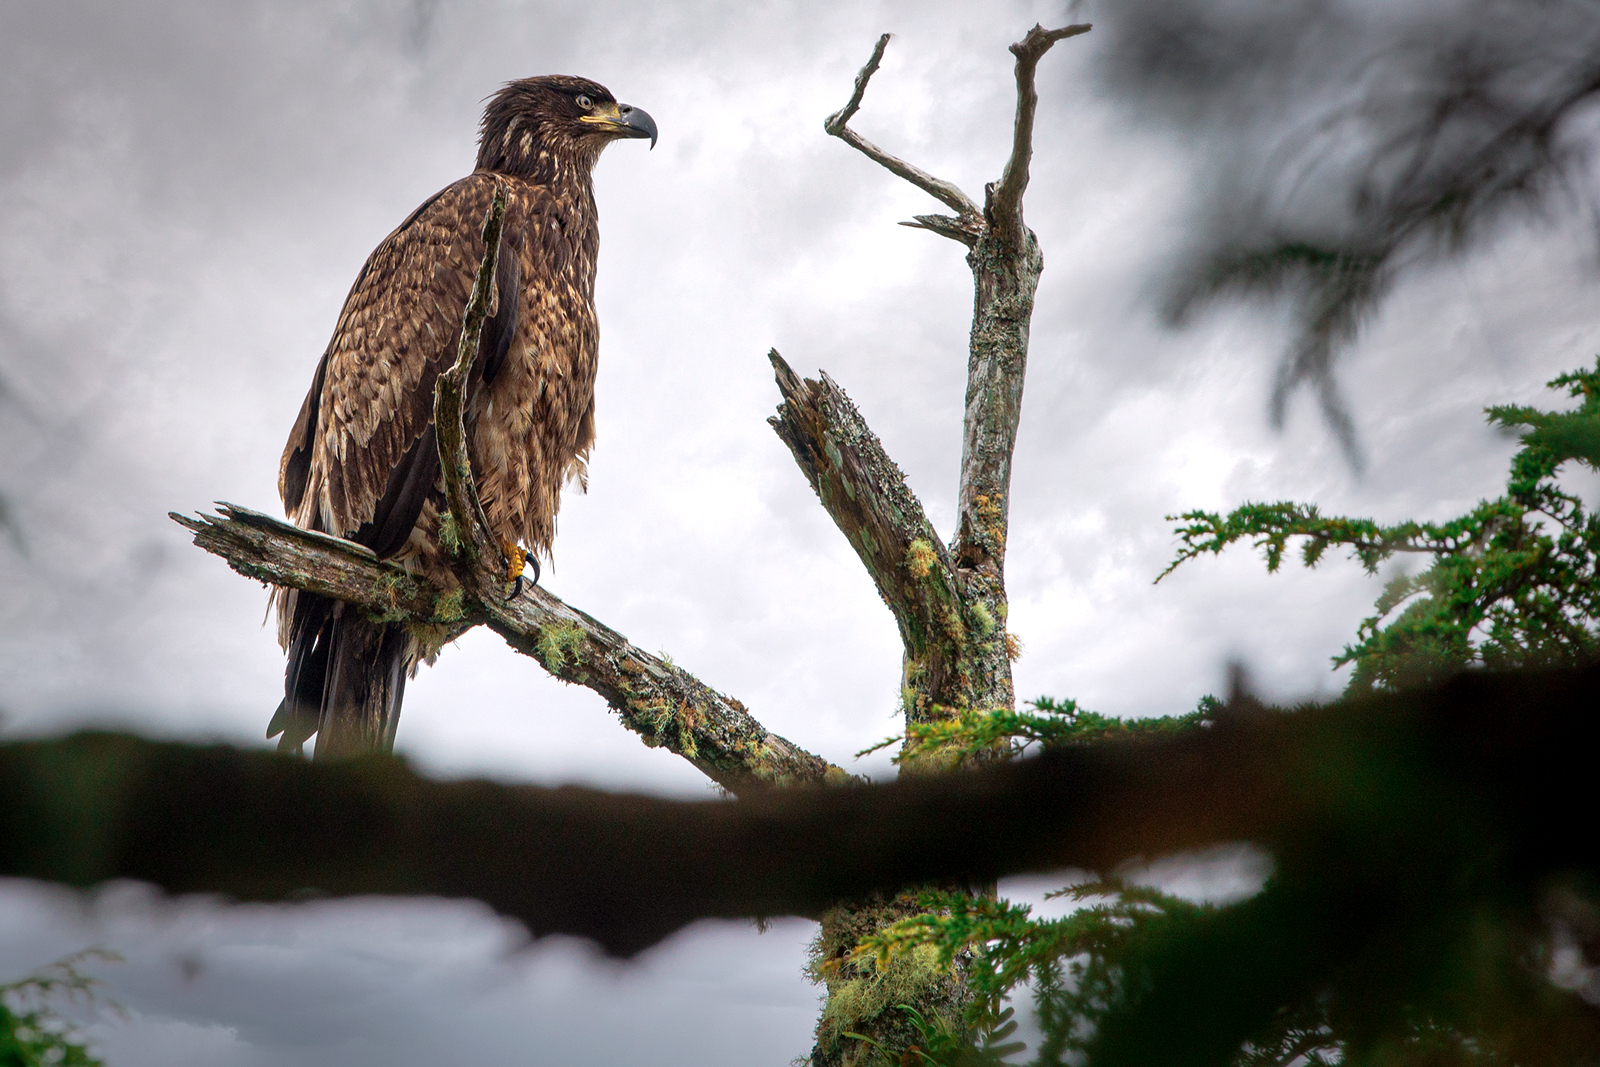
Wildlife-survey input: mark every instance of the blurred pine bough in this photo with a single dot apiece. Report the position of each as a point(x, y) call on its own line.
point(32, 1032)
point(1137, 976)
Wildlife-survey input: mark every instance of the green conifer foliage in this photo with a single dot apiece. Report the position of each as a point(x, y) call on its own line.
point(1513, 583)
point(1456, 973)
point(32, 1034)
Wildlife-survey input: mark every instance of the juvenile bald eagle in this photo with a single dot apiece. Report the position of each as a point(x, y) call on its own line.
point(362, 462)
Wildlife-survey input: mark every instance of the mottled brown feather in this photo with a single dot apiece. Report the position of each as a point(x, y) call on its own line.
point(529, 427)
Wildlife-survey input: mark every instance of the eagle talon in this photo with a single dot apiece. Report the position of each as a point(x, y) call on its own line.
point(516, 559)
point(516, 562)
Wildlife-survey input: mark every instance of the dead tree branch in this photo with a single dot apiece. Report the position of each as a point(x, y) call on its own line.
point(661, 702)
point(449, 419)
point(1004, 207)
point(946, 192)
point(866, 495)
point(950, 603)
point(964, 602)
point(664, 704)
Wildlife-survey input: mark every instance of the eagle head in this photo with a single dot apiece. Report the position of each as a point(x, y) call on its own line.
point(544, 128)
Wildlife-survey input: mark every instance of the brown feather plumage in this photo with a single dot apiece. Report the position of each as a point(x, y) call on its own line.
point(530, 402)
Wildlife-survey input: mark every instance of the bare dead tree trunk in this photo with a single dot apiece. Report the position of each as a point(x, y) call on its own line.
point(948, 600)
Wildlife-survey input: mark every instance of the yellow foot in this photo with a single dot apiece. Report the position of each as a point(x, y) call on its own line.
point(516, 560)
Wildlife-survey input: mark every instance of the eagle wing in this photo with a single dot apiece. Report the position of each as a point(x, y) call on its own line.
point(361, 459)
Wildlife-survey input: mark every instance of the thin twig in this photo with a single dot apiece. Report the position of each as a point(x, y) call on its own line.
point(1005, 199)
point(966, 229)
point(837, 126)
point(838, 119)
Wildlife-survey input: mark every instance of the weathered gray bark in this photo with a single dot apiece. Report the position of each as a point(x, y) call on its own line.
point(867, 496)
point(662, 703)
point(949, 601)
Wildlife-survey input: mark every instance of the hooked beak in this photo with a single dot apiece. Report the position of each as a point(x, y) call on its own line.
point(624, 120)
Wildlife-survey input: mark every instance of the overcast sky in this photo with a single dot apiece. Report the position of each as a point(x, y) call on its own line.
point(187, 190)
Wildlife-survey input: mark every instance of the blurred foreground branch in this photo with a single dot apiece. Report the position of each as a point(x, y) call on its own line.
point(1381, 806)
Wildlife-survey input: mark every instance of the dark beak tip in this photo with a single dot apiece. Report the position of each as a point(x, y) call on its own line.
point(639, 120)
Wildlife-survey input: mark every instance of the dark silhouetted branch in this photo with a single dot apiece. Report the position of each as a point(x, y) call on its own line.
point(1457, 791)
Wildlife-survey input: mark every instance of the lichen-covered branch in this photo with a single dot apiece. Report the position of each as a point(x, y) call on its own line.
point(660, 701)
point(269, 550)
point(666, 705)
point(866, 495)
point(957, 651)
point(1006, 264)
point(473, 541)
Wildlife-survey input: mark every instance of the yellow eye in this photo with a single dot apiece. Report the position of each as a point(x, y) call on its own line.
point(584, 102)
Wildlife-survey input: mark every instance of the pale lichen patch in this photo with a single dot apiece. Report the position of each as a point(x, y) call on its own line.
point(557, 642)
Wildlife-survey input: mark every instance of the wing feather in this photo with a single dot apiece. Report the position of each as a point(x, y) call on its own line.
point(295, 466)
point(367, 474)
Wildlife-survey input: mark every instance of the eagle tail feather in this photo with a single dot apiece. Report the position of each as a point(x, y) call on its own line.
point(345, 680)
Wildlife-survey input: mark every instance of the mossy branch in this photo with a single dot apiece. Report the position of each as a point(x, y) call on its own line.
point(666, 705)
point(714, 732)
point(866, 495)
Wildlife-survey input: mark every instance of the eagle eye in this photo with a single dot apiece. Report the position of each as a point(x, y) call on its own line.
point(583, 101)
